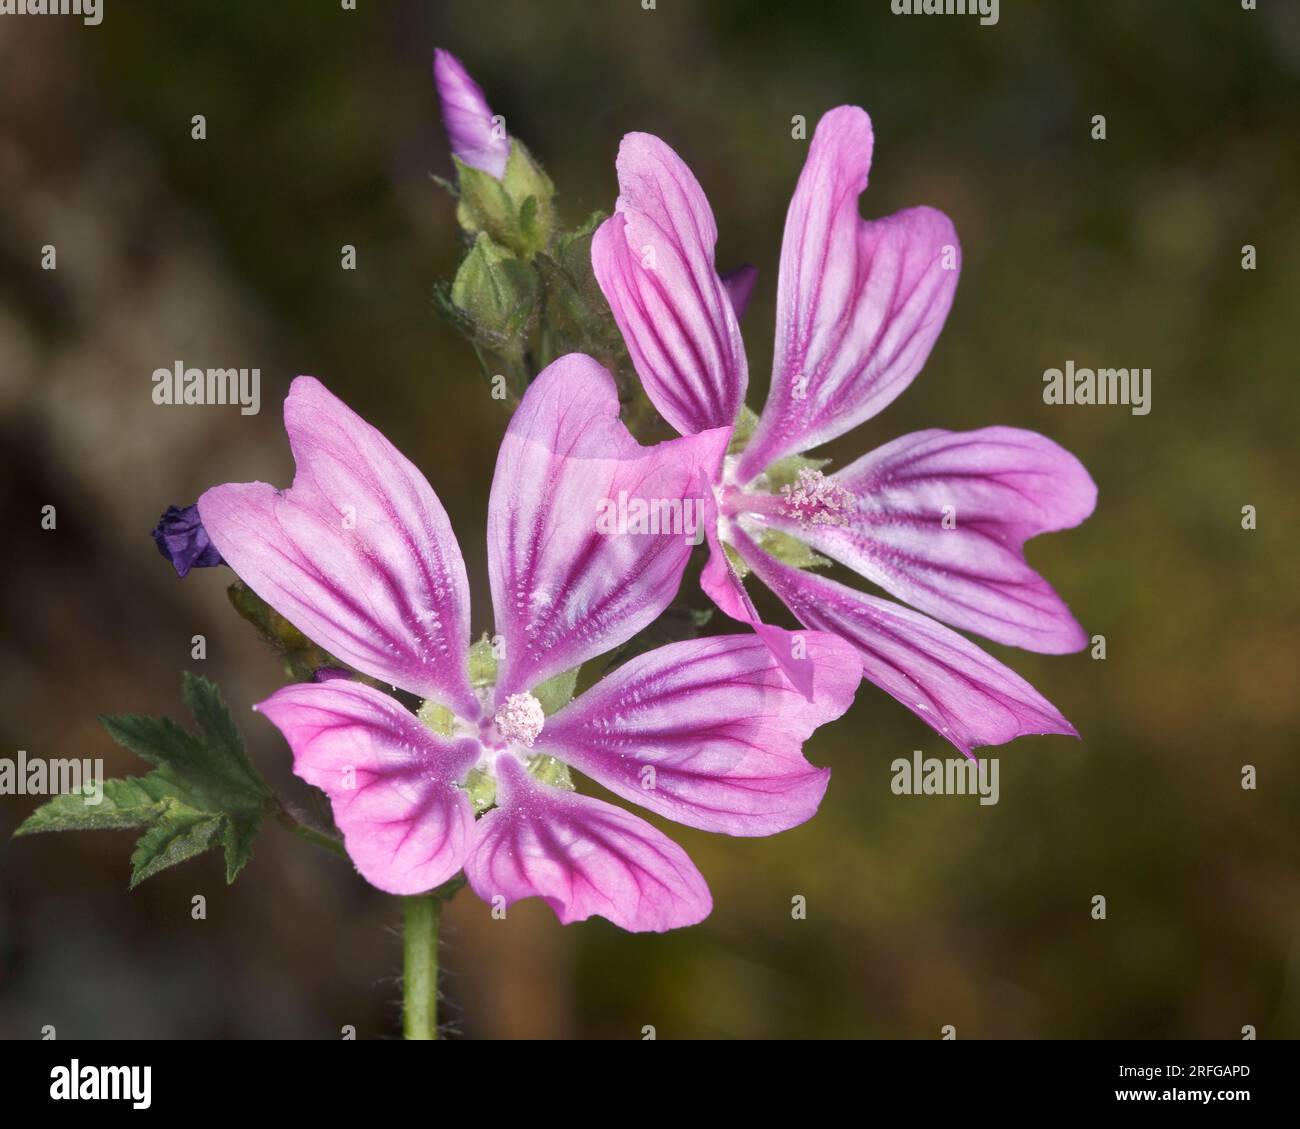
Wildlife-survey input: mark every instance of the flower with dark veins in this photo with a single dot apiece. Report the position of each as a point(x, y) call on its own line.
point(936, 518)
point(360, 556)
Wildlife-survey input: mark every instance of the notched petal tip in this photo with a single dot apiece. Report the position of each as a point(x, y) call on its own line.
point(654, 262)
point(359, 518)
point(860, 302)
point(710, 732)
point(583, 857)
point(845, 134)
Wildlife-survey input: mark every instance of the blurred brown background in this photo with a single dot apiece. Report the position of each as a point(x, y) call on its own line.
point(323, 130)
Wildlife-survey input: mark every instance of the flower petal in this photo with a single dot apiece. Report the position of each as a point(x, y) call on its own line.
point(966, 695)
point(654, 262)
point(583, 856)
point(859, 302)
point(570, 580)
point(994, 488)
point(724, 586)
point(465, 113)
point(709, 732)
point(390, 780)
point(358, 554)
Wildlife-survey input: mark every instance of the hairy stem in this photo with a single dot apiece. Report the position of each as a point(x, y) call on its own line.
point(420, 966)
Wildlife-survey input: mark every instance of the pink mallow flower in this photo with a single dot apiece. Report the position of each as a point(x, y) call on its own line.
point(477, 137)
point(936, 518)
point(360, 556)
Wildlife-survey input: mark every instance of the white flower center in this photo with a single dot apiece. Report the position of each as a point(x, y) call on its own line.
point(520, 719)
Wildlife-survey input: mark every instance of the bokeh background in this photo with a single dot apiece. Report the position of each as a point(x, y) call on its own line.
point(323, 130)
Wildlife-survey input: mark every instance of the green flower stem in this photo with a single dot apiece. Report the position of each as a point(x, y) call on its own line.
point(423, 914)
point(420, 964)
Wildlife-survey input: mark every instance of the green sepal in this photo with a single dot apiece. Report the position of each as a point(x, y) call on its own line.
point(436, 717)
point(790, 550)
point(484, 205)
point(576, 311)
point(785, 472)
point(532, 191)
point(576, 318)
point(481, 788)
point(301, 657)
point(737, 561)
point(516, 211)
point(452, 189)
point(498, 297)
point(482, 663)
point(548, 770)
point(556, 693)
point(743, 432)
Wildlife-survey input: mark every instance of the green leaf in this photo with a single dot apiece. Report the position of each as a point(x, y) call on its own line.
point(179, 834)
point(220, 742)
point(204, 791)
point(158, 740)
point(238, 839)
point(125, 803)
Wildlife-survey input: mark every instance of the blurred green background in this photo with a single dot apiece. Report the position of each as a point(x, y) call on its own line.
point(323, 129)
